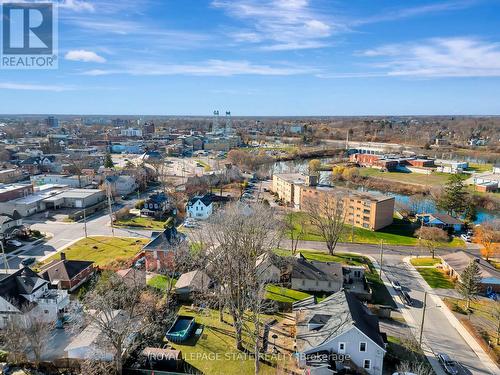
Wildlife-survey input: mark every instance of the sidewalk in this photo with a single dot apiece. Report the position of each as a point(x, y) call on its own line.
point(471, 341)
point(412, 324)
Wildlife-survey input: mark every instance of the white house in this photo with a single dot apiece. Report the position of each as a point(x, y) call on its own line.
point(200, 207)
point(24, 290)
point(121, 185)
point(336, 327)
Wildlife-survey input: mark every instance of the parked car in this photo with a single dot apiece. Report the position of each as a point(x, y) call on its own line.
point(28, 261)
point(466, 237)
point(396, 285)
point(140, 263)
point(14, 243)
point(406, 298)
point(450, 366)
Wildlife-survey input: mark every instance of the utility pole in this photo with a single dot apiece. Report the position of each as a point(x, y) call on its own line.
point(5, 261)
point(108, 191)
point(381, 257)
point(423, 319)
point(85, 222)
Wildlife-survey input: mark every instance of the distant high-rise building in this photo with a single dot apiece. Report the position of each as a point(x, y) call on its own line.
point(149, 128)
point(52, 122)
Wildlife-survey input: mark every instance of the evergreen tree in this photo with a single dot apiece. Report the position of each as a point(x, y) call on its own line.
point(470, 280)
point(455, 197)
point(108, 161)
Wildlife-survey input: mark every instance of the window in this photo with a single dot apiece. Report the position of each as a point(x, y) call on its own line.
point(367, 364)
point(362, 346)
point(46, 311)
point(341, 346)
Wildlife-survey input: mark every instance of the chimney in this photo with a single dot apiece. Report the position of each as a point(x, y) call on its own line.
point(63, 255)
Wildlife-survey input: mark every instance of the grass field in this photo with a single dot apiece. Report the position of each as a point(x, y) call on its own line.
point(281, 294)
point(103, 250)
point(159, 282)
point(425, 262)
point(434, 179)
point(141, 222)
point(480, 168)
point(399, 233)
point(436, 278)
point(214, 352)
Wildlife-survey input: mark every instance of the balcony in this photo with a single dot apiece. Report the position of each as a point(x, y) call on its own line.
point(54, 297)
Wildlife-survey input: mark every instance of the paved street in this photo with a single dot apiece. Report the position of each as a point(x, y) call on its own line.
point(439, 334)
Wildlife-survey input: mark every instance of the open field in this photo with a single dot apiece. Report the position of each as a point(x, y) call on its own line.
point(436, 278)
point(214, 352)
point(103, 250)
point(434, 179)
point(399, 233)
point(140, 222)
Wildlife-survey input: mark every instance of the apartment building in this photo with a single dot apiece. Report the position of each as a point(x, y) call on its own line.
point(363, 210)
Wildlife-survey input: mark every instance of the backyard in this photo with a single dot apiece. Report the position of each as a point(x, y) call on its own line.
point(103, 250)
point(159, 282)
point(214, 351)
point(398, 233)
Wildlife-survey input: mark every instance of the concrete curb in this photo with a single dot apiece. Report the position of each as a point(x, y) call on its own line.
point(429, 354)
point(468, 338)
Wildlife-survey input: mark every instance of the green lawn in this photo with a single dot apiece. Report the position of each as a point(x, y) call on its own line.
point(214, 352)
point(141, 222)
point(399, 233)
point(480, 168)
point(436, 278)
point(159, 282)
point(434, 179)
point(281, 294)
point(103, 250)
point(426, 261)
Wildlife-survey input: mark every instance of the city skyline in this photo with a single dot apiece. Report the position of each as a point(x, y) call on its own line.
point(267, 58)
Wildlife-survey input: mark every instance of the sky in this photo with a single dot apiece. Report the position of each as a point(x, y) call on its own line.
point(275, 58)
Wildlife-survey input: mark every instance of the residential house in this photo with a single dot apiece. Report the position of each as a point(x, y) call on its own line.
point(158, 251)
point(133, 277)
point(90, 343)
point(314, 276)
point(443, 221)
point(10, 225)
point(455, 263)
point(121, 185)
point(336, 327)
point(157, 205)
point(24, 291)
point(268, 268)
point(200, 207)
point(67, 274)
point(192, 282)
point(37, 164)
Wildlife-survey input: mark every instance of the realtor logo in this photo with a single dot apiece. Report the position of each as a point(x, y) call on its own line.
point(29, 34)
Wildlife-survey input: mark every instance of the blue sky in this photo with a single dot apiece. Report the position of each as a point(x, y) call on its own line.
point(276, 57)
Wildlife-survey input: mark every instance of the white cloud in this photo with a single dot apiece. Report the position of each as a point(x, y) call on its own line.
point(84, 55)
point(33, 87)
point(439, 57)
point(222, 68)
point(77, 5)
point(279, 24)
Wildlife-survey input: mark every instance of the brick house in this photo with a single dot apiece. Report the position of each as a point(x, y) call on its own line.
point(67, 274)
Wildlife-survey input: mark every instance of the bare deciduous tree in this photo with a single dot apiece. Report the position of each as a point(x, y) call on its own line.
point(237, 236)
point(328, 215)
point(122, 312)
point(431, 238)
point(295, 230)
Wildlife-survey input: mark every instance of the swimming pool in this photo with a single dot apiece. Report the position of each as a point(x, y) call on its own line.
point(181, 329)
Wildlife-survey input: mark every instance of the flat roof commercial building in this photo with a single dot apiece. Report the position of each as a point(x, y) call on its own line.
point(363, 210)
